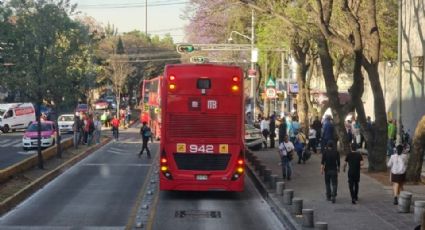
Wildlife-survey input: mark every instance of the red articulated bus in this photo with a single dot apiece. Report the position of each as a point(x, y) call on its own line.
point(202, 128)
point(150, 104)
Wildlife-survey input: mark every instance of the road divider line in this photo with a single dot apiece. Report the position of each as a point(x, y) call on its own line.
point(126, 165)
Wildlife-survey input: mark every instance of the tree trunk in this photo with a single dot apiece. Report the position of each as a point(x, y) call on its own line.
point(332, 92)
point(302, 108)
point(414, 166)
point(377, 149)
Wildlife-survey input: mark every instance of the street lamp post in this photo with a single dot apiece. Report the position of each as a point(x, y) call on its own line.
point(252, 70)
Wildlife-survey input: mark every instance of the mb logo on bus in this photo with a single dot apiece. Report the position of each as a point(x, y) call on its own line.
point(212, 104)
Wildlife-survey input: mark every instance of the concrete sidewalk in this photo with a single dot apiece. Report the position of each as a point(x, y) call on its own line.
point(373, 211)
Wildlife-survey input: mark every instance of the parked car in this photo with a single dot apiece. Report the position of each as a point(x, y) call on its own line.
point(101, 104)
point(48, 135)
point(65, 123)
point(253, 137)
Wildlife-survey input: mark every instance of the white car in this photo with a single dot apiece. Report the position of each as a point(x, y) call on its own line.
point(253, 137)
point(65, 123)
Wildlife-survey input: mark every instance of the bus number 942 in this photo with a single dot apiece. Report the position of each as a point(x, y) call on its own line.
point(201, 148)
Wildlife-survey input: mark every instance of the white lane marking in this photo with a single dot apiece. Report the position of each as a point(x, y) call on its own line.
point(132, 165)
point(27, 152)
point(14, 142)
point(4, 141)
point(18, 144)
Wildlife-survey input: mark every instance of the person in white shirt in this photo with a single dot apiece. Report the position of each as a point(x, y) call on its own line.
point(264, 126)
point(286, 149)
point(398, 164)
point(312, 138)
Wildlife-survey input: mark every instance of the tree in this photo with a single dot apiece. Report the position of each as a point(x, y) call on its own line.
point(119, 69)
point(414, 166)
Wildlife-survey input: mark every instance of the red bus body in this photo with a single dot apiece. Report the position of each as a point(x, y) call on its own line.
point(150, 105)
point(202, 129)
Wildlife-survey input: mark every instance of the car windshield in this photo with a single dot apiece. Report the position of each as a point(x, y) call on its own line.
point(44, 127)
point(66, 118)
point(2, 111)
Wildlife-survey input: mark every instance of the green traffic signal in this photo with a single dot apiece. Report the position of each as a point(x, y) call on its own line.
point(185, 48)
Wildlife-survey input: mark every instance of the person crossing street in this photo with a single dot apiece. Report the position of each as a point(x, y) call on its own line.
point(146, 133)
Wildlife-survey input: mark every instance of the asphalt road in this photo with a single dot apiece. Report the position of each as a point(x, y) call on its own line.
point(214, 210)
point(99, 192)
point(11, 151)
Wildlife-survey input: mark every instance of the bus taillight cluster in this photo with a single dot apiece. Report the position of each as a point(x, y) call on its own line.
point(164, 166)
point(240, 167)
point(172, 83)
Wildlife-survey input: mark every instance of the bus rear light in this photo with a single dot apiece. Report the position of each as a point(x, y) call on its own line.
point(235, 78)
point(163, 160)
point(164, 168)
point(240, 170)
point(172, 78)
point(235, 88)
point(240, 162)
point(172, 86)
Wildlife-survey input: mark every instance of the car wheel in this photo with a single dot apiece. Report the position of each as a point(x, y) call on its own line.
point(256, 147)
point(6, 129)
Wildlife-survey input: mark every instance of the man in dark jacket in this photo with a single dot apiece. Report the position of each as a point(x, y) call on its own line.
point(146, 133)
point(330, 168)
point(282, 130)
point(272, 128)
point(354, 160)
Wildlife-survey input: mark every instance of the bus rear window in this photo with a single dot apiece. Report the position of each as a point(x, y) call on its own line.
point(203, 83)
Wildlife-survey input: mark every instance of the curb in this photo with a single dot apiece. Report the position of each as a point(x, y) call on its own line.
point(28, 190)
point(270, 197)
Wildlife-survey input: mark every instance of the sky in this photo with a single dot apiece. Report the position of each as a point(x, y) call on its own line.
point(164, 16)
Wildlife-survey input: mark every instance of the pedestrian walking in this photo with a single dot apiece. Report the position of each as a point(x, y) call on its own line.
point(89, 129)
point(392, 132)
point(330, 168)
point(312, 137)
point(128, 115)
point(146, 133)
point(264, 126)
point(115, 127)
point(300, 142)
point(76, 131)
point(97, 129)
point(286, 149)
point(398, 165)
point(272, 129)
point(354, 160)
point(317, 125)
point(327, 132)
point(282, 130)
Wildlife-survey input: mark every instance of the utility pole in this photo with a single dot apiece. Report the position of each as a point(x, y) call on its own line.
point(146, 17)
point(400, 70)
point(252, 65)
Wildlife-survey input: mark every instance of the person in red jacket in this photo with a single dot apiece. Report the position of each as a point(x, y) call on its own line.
point(115, 126)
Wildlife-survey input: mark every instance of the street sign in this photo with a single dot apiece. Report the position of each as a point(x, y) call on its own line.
point(252, 73)
point(270, 83)
point(271, 93)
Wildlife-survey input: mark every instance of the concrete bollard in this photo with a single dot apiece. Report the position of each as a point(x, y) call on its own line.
point(404, 202)
point(288, 194)
point(297, 206)
point(267, 174)
point(321, 225)
point(418, 211)
point(308, 218)
point(272, 182)
point(280, 186)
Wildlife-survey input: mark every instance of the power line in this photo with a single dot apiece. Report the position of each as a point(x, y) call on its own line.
point(129, 5)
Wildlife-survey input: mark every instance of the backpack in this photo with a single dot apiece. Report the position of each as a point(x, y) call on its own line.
point(146, 132)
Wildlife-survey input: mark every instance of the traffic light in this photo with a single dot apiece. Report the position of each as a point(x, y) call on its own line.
point(185, 48)
point(198, 59)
